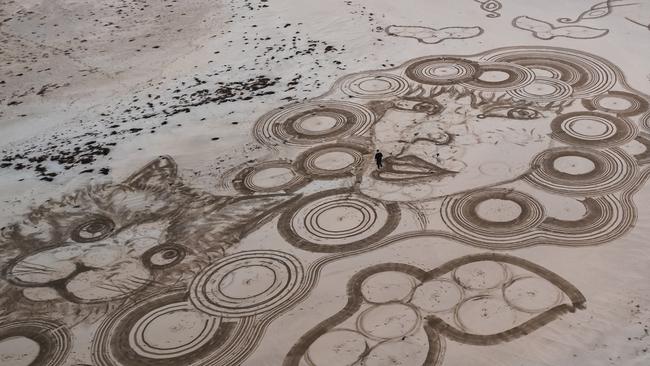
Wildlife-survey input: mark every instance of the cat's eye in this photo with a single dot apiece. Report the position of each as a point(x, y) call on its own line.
point(523, 113)
point(163, 256)
point(428, 108)
point(94, 228)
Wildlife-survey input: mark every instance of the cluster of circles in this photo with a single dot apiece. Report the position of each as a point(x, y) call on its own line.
point(533, 74)
point(506, 219)
point(337, 220)
point(481, 297)
point(326, 161)
point(584, 75)
point(247, 283)
point(304, 124)
point(213, 324)
point(34, 342)
point(477, 281)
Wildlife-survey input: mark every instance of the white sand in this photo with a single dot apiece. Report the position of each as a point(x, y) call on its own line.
point(239, 245)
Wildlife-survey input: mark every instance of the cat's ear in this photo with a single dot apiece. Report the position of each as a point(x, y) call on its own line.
point(157, 174)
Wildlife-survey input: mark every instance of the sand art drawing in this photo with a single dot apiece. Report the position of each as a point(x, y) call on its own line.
point(638, 23)
point(480, 149)
point(431, 35)
point(400, 313)
point(599, 10)
point(546, 31)
point(491, 7)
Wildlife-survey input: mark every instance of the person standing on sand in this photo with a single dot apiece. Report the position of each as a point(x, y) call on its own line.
point(378, 158)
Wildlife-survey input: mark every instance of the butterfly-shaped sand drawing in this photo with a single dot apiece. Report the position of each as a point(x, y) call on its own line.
point(432, 35)
point(546, 31)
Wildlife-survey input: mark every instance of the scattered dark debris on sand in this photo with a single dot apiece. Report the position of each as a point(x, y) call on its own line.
point(268, 49)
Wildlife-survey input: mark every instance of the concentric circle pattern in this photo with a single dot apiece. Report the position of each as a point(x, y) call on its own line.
point(270, 176)
point(543, 89)
point(171, 331)
point(621, 103)
point(36, 342)
point(308, 123)
point(374, 86)
point(582, 171)
point(587, 75)
point(442, 70)
point(500, 76)
point(492, 214)
point(247, 283)
point(592, 129)
point(165, 329)
point(337, 221)
point(331, 161)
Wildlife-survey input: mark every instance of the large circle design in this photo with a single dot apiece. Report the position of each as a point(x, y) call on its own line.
point(331, 161)
point(597, 172)
point(442, 70)
point(516, 77)
point(337, 220)
point(623, 104)
point(34, 342)
point(337, 347)
point(165, 329)
point(437, 296)
point(307, 123)
point(588, 75)
point(270, 176)
point(543, 90)
point(482, 275)
point(388, 321)
point(532, 294)
point(592, 129)
point(387, 286)
point(485, 315)
point(492, 214)
point(172, 330)
point(247, 283)
point(374, 86)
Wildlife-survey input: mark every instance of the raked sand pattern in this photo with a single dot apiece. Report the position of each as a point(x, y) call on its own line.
point(507, 225)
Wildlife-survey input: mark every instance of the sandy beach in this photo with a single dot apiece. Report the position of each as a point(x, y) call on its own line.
point(197, 183)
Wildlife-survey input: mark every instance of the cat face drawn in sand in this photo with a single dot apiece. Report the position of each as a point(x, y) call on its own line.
point(106, 243)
